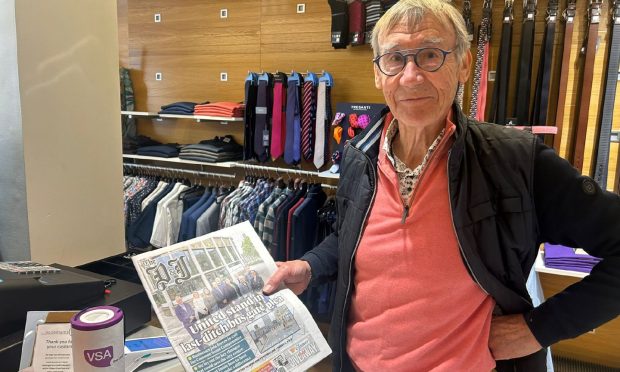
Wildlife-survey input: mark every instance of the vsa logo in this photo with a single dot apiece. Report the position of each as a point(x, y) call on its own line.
point(99, 357)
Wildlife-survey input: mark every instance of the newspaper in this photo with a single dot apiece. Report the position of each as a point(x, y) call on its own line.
point(207, 295)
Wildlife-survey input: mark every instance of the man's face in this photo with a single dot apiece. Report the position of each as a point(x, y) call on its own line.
point(416, 97)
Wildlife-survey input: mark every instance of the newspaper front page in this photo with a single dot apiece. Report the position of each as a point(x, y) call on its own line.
point(207, 294)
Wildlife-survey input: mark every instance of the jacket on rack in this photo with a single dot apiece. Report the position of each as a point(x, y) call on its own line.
point(508, 193)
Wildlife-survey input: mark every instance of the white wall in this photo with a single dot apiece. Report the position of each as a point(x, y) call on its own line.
point(14, 244)
point(68, 76)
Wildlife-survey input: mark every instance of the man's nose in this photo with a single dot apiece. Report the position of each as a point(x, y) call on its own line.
point(412, 74)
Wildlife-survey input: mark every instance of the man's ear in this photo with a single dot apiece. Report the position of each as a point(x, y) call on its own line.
point(465, 68)
point(377, 77)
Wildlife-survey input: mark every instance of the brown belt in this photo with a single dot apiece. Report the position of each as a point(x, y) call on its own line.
point(569, 18)
point(617, 183)
point(586, 85)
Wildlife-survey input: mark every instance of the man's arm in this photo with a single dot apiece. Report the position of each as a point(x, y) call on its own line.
point(317, 265)
point(572, 210)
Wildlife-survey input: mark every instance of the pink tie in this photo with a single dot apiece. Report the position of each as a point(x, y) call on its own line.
point(278, 126)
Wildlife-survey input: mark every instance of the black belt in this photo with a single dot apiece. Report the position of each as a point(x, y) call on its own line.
point(586, 85)
point(502, 74)
point(541, 95)
point(262, 128)
point(607, 108)
point(522, 103)
point(340, 23)
point(249, 115)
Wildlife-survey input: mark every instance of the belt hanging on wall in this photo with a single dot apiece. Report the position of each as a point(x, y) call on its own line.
point(340, 23)
point(470, 36)
point(502, 73)
point(524, 72)
point(479, 85)
point(569, 19)
point(251, 88)
point(541, 95)
point(607, 108)
point(589, 52)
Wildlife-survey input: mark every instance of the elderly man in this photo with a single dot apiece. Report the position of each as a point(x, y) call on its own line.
point(440, 219)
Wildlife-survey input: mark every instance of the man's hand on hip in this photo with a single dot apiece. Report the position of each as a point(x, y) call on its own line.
point(511, 337)
point(293, 274)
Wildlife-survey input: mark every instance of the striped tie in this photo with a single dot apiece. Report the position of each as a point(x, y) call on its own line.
point(307, 146)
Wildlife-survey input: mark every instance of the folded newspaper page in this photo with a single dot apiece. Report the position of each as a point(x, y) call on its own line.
point(207, 294)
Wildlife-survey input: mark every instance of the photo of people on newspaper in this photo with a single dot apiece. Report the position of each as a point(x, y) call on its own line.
point(207, 294)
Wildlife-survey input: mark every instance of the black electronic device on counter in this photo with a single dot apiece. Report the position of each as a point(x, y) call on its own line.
point(28, 286)
point(130, 297)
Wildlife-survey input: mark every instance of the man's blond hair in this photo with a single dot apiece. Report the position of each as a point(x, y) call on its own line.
point(411, 13)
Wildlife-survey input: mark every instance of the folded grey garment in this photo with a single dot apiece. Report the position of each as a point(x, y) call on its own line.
point(217, 146)
point(208, 153)
point(209, 160)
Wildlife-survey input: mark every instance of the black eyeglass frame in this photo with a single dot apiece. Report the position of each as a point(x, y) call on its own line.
point(414, 54)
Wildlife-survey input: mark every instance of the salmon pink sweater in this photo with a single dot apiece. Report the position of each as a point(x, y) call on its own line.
point(415, 307)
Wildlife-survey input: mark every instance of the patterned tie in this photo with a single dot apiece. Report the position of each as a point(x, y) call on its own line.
point(307, 146)
point(319, 144)
point(328, 119)
point(291, 148)
point(481, 56)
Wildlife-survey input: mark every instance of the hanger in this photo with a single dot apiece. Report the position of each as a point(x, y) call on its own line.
point(327, 78)
point(265, 76)
point(280, 77)
point(252, 77)
point(311, 76)
point(294, 76)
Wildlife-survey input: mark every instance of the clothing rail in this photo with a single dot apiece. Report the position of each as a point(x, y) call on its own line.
point(177, 170)
point(299, 172)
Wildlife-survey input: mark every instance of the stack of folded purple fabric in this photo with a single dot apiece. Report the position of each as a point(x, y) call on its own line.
point(566, 258)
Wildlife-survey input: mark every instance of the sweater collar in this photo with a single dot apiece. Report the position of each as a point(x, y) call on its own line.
point(369, 141)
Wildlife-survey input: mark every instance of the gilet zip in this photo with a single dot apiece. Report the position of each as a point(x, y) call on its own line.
point(357, 243)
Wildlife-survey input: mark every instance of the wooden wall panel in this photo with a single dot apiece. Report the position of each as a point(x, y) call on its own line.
point(291, 41)
point(192, 45)
point(123, 32)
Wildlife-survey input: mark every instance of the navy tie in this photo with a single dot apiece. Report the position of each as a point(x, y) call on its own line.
point(292, 149)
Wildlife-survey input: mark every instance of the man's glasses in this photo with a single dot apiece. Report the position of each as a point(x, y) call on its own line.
point(428, 59)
